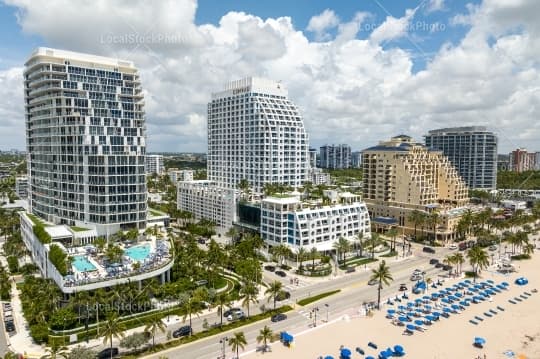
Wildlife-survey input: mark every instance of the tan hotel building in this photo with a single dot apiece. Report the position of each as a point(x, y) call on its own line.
point(401, 176)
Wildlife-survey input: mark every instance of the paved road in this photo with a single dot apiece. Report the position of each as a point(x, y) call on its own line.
point(354, 293)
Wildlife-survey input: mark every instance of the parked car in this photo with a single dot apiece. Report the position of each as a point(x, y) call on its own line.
point(453, 246)
point(278, 317)
point(281, 273)
point(447, 267)
point(433, 261)
point(373, 282)
point(10, 326)
point(270, 268)
point(492, 248)
point(108, 353)
point(462, 246)
point(428, 250)
point(230, 311)
point(236, 316)
point(201, 241)
point(182, 331)
point(417, 271)
point(439, 265)
point(402, 287)
point(415, 277)
point(350, 269)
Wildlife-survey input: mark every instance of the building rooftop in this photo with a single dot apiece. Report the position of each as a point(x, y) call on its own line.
point(48, 52)
point(450, 130)
point(58, 231)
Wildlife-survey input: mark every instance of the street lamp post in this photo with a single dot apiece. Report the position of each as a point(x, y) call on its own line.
point(327, 306)
point(314, 311)
point(223, 341)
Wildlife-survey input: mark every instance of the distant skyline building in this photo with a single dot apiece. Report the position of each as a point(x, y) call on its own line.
point(313, 157)
point(86, 144)
point(180, 175)
point(521, 160)
point(335, 156)
point(471, 150)
point(356, 159)
point(21, 187)
point(154, 164)
point(256, 133)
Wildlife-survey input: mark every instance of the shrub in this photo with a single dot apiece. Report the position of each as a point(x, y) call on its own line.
point(39, 332)
point(13, 264)
point(58, 258)
point(519, 257)
point(41, 233)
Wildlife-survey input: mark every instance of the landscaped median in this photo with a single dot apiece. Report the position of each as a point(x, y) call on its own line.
point(355, 262)
point(315, 298)
point(207, 333)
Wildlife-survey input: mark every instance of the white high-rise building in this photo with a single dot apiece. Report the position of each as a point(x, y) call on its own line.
point(154, 164)
point(256, 133)
point(85, 136)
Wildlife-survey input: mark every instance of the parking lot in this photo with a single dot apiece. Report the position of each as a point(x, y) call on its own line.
point(9, 324)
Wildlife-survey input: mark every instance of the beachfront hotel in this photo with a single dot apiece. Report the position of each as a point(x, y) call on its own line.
point(289, 221)
point(401, 175)
point(256, 133)
point(85, 136)
point(154, 164)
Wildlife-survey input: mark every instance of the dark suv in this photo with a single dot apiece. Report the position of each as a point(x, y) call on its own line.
point(428, 250)
point(108, 353)
point(182, 331)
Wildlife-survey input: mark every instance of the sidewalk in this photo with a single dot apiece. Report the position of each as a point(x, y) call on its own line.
point(21, 342)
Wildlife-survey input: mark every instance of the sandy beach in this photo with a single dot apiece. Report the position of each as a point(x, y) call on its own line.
point(517, 328)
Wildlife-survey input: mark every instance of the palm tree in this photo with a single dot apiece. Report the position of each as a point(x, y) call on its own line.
point(112, 329)
point(313, 254)
point(478, 258)
point(237, 342)
point(342, 246)
point(249, 294)
point(243, 186)
point(155, 324)
point(55, 352)
point(383, 276)
point(449, 260)
point(458, 260)
point(434, 219)
point(190, 303)
point(392, 233)
point(273, 290)
point(301, 253)
point(222, 300)
point(372, 242)
point(360, 240)
point(265, 334)
point(417, 218)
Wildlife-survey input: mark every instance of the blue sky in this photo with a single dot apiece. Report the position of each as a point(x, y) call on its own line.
point(359, 71)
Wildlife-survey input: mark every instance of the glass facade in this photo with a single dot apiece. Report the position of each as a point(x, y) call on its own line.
point(85, 134)
point(471, 150)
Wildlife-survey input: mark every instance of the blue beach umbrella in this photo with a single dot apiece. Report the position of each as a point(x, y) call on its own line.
point(418, 322)
point(479, 340)
point(328, 357)
point(447, 310)
point(402, 308)
point(346, 352)
point(411, 327)
point(505, 284)
point(403, 319)
point(370, 357)
point(391, 311)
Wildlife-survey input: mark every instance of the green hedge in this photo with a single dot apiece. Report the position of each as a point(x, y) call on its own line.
point(519, 257)
point(315, 298)
point(41, 233)
point(357, 262)
point(58, 258)
point(390, 254)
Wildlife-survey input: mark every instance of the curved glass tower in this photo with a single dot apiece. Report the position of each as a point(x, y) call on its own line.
point(85, 134)
point(256, 133)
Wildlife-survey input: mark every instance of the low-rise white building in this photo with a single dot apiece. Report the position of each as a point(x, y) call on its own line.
point(317, 176)
point(88, 271)
point(21, 187)
point(286, 220)
point(154, 164)
point(205, 200)
point(180, 175)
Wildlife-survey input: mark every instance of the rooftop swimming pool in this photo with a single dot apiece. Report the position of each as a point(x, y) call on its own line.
point(138, 253)
point(82, 264)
